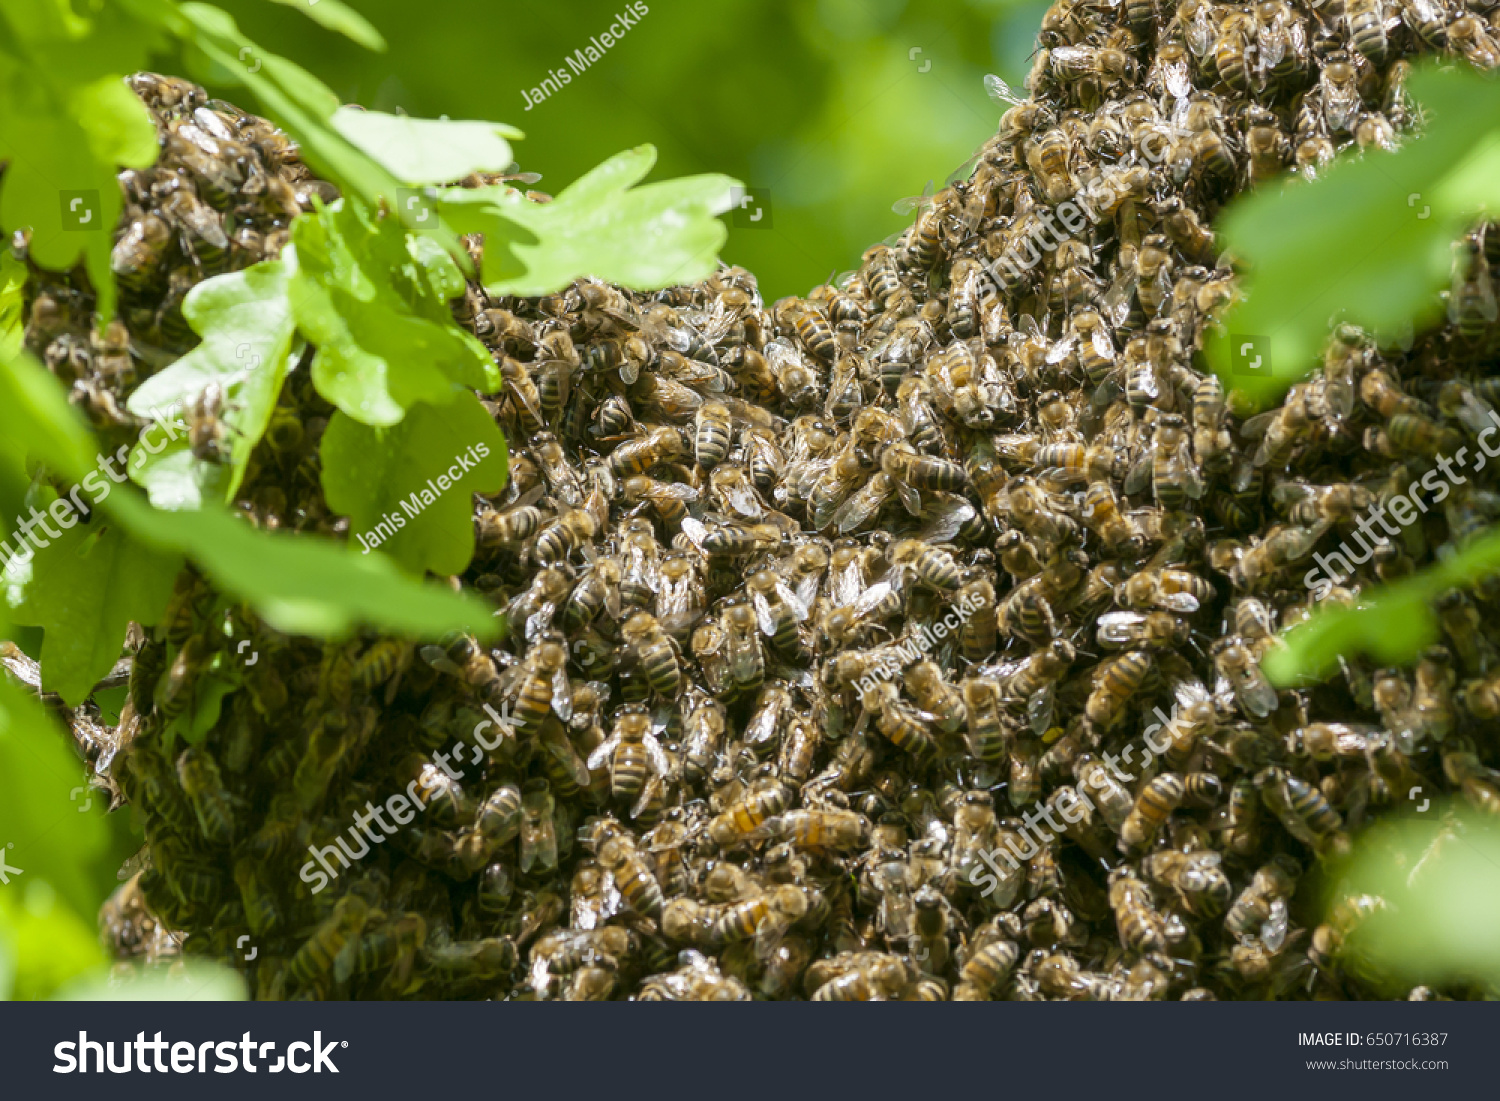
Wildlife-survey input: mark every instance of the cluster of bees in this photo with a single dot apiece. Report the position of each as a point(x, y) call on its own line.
point(817, 610)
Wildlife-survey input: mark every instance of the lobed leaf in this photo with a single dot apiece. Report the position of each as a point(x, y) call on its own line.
point(51, 826)
point(83, 589)
point(336, 16)
point(407, 472)
point(377, 309)
point(300, 584)
point(69, 123)
point(245, 320)
point(427, 151)
point(1369, 243)
point(1437, 876)
point(644, 238)
point(1392, 622)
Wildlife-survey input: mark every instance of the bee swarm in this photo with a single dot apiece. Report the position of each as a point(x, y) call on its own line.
point(817, 612)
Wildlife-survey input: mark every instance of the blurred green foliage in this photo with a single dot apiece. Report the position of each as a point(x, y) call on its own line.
point(1417, 903)
point(819, 101)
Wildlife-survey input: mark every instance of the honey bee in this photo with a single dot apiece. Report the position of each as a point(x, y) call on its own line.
point(1260, 910)
point(635, 757)
point(1115, 682)
point(543, 687)
point(203, 784)
point(745, 660)
point(778, 611)
point(1480, 784)
point(987, 964)
point(1299, 806)
point(1338, 92)
point(810, 326)
point(1106, 793)
point(1149, 630)
point(637, 456)
point(1154, 804)
point(739, 821)
point(538, 826)
point(634, 878)
point(1241, 675)
point(906, 728)
point(1142, 928)
point(331, 950)
point(1197, 878)
point(1049, 157)
point(817, 828)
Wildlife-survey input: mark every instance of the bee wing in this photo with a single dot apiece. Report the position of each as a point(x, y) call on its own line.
point(800, 608)
point(658, 756)
point(742, 499)
point(1255, 695)
point(136, 863)
point(520, 396)
point(1103, 346)
point(769, 935)
point(1273, 930)
point(946, 517)
point(910, 498)
point(1059, 350)
point(1119, 628)
point(561, 747)
point(1115, 306)
point(871, 597)
point(864, 504)
point(602, 751)
point(539, 622)
point(695, 530)
point(1040, 707)
point(1181, 603)
point(437, 657)
point(562, 695)
point(761, 729)
point(1192, 478)
point(1138, 477)
point(648, 792)
point(999, 90)
point(348, 956)
point(763, 614)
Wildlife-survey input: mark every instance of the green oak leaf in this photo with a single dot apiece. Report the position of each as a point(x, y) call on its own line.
point(1369, 243)
point(644, 238)
point(428, 151)
point(341, 19)
point(404, 472)
point(83, 589)
point(245, 320)
point(300, 584)
point(69, 123)
point(1437, 875)
point(12, 304)
point(53, 827)
point(172, 476)
point(305, 584)
point(1392, 623)
point(377, 309)
point(304, 106)
point(196, 981)
point(209, 689)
